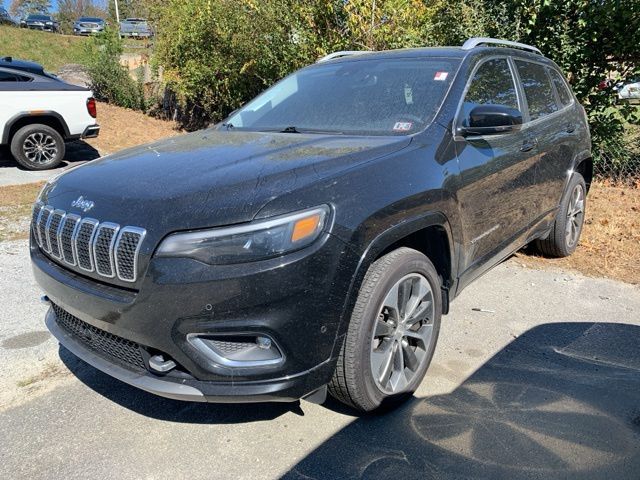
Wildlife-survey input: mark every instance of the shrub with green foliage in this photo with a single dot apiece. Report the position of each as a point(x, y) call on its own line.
point(217, 54)
point(110, 81)
point(589, 39)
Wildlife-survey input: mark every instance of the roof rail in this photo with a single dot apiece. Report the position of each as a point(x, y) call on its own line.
point(476, 41)
point(343, 53)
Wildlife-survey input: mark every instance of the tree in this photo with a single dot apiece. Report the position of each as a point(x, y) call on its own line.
point(590, 40)
point(22, 8)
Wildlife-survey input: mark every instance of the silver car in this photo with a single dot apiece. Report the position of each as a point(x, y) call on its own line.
point(88, 26)
point(135, 28)
point(629, 92)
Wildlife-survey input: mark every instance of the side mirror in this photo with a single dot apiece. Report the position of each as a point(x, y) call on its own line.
point(492, 120)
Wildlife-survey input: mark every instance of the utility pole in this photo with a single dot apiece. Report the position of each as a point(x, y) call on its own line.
point(117, 11)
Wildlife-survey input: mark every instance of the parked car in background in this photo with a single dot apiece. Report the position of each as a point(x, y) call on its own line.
point(135, 28)
point(38, 113)
point(25, 66)
point(88, 26)
point(315, 238)
point(5, 18)
point(629, 92)
point(40, 22)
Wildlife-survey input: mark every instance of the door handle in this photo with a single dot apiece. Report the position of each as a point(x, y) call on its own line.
point(528, 145)
point(570, 128)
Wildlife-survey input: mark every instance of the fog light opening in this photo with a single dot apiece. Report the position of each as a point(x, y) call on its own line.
point(238, 349)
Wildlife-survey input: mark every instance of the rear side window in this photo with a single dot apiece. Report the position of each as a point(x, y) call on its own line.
point(561, 87)
point(13, 77)
point(537, 89)
point(492, 84)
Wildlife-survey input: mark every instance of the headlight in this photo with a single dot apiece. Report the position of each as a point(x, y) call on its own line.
point(246, 243)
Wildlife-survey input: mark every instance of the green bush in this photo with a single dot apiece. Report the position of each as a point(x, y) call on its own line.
point(217, 54)
point(110, 81)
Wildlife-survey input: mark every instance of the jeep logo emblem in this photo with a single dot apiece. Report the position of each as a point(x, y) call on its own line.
point(83, 204)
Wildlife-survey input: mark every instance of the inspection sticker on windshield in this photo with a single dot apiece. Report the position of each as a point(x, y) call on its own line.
point(441, 76)
point(402, 126)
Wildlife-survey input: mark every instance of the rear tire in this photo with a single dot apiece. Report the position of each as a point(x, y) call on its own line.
point(392, 333)
point(37, 147)
point(567, 227)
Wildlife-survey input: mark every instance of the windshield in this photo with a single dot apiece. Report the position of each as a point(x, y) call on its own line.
point(90, 19)
point(396, 96)
point(46, 18)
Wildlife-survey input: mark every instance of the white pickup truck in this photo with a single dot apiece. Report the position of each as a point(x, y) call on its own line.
point(39, 112)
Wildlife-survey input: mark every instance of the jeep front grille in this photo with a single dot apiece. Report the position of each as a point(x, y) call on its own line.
point(92, 246)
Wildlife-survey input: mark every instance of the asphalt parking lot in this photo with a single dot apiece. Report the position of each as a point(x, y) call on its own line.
point(543, 384)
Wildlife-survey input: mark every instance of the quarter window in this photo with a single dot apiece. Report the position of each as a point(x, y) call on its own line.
point(12, 77)
point(561, 87)
point(492, 84)
point(537, 89)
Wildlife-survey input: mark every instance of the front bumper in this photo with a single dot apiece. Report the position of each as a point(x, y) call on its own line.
point(191, 390)
point(297, 302)
point(87, 31)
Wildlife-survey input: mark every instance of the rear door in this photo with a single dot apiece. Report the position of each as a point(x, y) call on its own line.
point(497, 172)
point(552, 122)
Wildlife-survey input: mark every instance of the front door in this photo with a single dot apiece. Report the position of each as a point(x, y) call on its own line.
point(497, 173)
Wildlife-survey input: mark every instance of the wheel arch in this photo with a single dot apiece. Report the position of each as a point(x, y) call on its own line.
point(430, 234)
point(585, 168)
point(50, 118)
point(583, 164)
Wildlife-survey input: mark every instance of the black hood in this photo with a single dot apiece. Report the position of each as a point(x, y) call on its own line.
point(208, 178)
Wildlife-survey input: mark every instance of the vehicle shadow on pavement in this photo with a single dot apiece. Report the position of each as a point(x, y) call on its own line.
point(166, 409)
point(77, 151)
point(560, 402)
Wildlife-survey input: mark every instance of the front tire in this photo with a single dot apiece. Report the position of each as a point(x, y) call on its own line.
point(564, 237)
point(392, 333)
point(37, 147)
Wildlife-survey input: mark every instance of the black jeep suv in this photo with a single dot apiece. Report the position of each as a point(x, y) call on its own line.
point(316, 237)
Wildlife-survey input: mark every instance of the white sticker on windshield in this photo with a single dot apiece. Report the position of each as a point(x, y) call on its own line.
point(408, 95)
point(441, 76)
point(402, 126)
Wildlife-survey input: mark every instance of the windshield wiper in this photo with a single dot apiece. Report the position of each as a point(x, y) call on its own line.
point(293, 129)
point(228, 126)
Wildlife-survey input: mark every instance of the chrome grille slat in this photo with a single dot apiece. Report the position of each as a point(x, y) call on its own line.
point(126, 252)
point(66, 238)
point(35, 215)
point(43, 224)
point(53, 228)
point(103, 249)
point(86, 243)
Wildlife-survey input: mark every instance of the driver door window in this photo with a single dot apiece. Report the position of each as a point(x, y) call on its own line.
point(492, 84)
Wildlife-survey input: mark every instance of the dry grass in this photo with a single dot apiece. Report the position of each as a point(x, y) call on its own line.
point(123, 128)
point(15, 210)
point(610, 243)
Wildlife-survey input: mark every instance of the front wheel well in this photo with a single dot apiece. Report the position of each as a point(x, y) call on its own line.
point(48, 120)
point(433, 242)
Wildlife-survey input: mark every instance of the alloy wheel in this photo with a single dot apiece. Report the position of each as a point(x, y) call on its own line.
point(403, 333)
point(575, 216)
point(40, 148)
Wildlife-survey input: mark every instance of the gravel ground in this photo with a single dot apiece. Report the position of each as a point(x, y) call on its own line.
point(544, 384)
